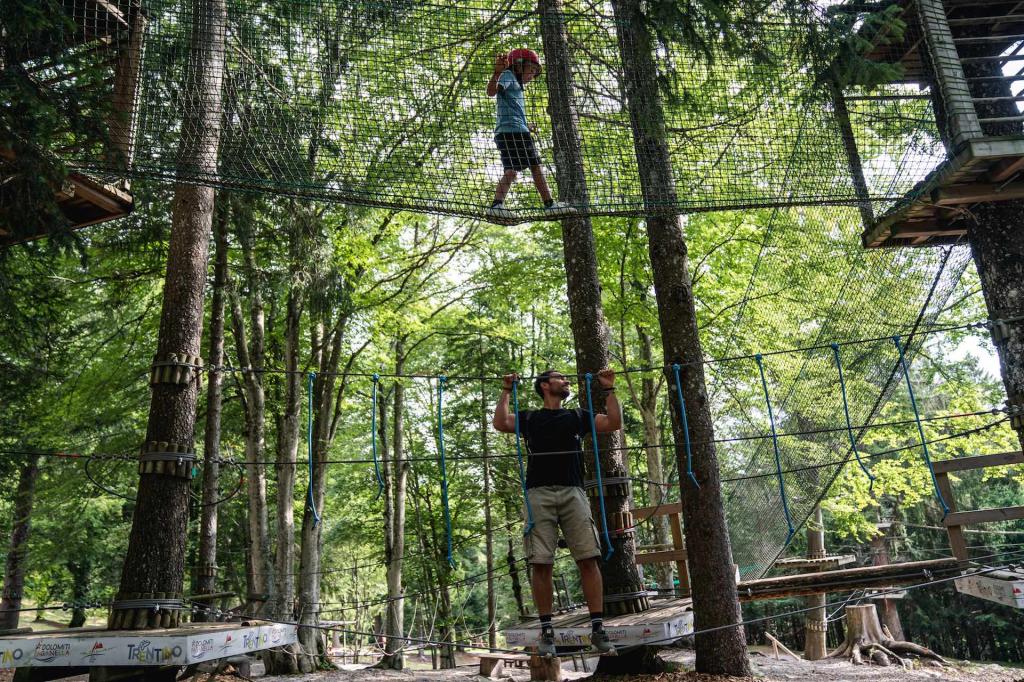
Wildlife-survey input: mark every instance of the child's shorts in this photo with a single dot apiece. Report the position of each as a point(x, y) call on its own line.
point(565, 508)
point(517, 151)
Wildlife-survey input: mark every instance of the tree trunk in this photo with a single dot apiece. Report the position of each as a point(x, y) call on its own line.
point(815, 624)
point(864, 635)
point(658, 494)
point(80, 570)
point(286, 661)
point(492, 606)
point(890, 615)
point(206, 571)
point(397, 471)
point(590, 330)
point(251, 357)
point(510, 559)
point(722, 651)
point(154, 563)
point(17, 554)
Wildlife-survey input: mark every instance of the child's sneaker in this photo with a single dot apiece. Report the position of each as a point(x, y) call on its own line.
point(557, 208)
point(500, 214)
point(600, 643)
point(546, 648)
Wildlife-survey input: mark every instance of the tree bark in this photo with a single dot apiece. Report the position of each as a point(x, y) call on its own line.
point(155, 560)
point(396, 470)
point(890, 615)
point(815, 621)
point(722, 651)
point(17, 554)
point(250, 349)
point(206, 572)
point(589, 328)
point(80, 569)
point(492, 605)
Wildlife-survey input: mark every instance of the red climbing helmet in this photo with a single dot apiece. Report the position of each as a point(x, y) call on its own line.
point(523, 56)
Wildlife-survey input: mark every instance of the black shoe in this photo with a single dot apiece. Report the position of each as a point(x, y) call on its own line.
point(546, 648)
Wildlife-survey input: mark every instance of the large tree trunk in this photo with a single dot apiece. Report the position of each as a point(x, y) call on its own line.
point(154, 563)
point(17, 554)
point(723, 650)
point(397, 472)
point(206, 570)
point(251, 356)
point(80, 569)
point(623, 587)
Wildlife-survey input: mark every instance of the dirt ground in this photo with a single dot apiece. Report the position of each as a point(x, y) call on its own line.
point(765, 667)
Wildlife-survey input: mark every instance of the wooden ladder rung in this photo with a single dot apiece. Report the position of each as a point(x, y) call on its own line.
point(666, 509)
point(968, 518)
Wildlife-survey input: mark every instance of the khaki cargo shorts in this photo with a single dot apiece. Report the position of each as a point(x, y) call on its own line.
point(565, 507)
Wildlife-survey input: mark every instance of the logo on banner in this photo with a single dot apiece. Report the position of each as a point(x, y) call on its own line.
point(201, 647)
point(47, 652)
point(253, 640)
point(8, 656)
point(144, 653)
point(96, 651)
point(276, 634)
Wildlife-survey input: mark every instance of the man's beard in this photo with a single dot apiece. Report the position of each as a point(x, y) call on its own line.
point(566, 393)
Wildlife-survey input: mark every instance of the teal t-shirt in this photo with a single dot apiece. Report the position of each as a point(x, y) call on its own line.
point(511, 105)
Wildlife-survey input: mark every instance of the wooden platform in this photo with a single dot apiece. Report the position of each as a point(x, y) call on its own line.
point(666, 621)
point(192, 643)
point(932, 213)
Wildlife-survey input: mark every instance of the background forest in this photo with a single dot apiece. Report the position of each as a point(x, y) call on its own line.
point(302, 286)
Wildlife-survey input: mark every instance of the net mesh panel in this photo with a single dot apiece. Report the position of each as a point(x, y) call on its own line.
point(384, 103)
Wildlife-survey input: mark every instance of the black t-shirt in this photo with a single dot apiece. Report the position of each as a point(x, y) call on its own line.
point(554, 431)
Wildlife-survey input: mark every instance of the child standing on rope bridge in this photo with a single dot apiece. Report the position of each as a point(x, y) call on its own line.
point(554, 493)
point(512, 135)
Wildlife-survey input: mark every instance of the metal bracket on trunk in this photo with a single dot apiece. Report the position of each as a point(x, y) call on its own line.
point(175, 368)
point(169, 459)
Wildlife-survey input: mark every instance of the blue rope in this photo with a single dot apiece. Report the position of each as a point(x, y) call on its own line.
point(519, 455)
point(311, 377)
point(849, 427)
point(373, 439)
point(597, 468)
point(444, 471)
point(920, 429)
point(775, 444)
point(686, 426)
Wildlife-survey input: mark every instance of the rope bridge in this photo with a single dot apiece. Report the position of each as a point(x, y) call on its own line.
point(383, 103)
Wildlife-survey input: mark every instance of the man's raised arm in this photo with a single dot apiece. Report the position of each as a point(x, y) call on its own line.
point(504, 420)
point(612, 421)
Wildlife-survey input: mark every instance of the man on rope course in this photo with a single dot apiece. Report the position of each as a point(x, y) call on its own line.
point(512, 135)
point(554, 494)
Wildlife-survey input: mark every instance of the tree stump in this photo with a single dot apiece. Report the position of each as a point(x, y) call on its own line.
point(867, 642)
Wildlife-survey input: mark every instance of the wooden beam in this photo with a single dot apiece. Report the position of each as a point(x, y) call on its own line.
point(977, 192)
point(663, 557)
point(1005, 169)
point(846, 580)
point(957, 543)
point(978, 462)
point(656, 510)
point(969, 518)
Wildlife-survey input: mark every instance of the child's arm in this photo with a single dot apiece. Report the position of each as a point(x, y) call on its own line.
point(500, 64)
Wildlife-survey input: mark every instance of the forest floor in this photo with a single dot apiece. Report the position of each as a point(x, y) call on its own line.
point(765, 667)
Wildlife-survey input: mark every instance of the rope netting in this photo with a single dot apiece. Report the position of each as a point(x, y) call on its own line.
point(383, 102)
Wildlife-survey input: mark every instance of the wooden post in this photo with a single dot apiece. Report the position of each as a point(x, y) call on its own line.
point(961, 116)
point(815, 625)
point(677, 543)
point(860, 185)
point(880, 557)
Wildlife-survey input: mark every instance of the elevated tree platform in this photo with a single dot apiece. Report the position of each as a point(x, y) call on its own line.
point(93, 647)
point(933, 213)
